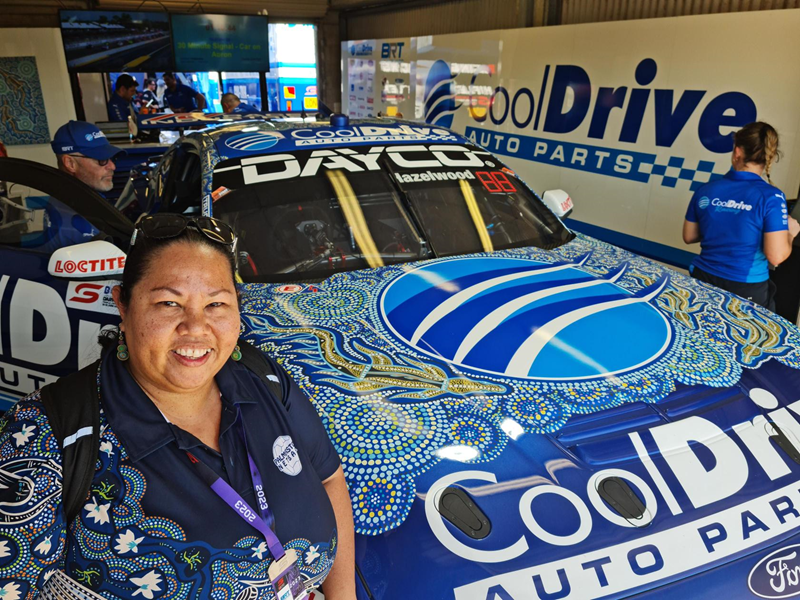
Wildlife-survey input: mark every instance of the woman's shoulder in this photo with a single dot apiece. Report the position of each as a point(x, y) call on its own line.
point(27, 408)
point(261, 379)
point(26, 428)
point(770, 191)
point(710, 188)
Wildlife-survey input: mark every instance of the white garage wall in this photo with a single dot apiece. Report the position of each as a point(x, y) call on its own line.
point(45, 45)
point(93, 93)
point(638, 207)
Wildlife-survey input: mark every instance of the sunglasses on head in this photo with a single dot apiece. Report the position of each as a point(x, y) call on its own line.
point(100, 162)
point(171, 225)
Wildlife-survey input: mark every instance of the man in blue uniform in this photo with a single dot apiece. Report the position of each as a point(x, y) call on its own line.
point(120, 105)
point(180, 97)
point(84, 152)
point(232, 104)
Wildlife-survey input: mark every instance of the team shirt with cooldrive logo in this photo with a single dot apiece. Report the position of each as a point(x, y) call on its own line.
point(734, 213)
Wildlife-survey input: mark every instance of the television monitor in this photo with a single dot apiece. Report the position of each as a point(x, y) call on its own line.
point(220, 42)
point(104, 40)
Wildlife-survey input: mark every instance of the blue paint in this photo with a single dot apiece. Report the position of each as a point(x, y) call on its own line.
point(252, 142)
point(596, 344)
point(661, 252)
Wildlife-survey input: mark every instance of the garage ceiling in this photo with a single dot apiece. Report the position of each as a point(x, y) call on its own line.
point(44, 13)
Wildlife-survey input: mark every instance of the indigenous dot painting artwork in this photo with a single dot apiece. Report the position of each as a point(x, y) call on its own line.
point(413, 363)
point(23, 119)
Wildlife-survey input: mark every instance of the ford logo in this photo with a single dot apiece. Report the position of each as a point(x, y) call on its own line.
point(777, 575)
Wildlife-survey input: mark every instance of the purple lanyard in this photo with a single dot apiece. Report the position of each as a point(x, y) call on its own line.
point(232, 498)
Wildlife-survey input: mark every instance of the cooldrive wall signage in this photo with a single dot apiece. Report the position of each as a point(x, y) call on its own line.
point(629, 117)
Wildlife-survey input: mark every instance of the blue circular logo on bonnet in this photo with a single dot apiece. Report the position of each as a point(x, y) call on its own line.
point(253, 142)
point(523, 318)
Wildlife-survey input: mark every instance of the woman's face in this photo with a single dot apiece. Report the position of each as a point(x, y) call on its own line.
point(182, 321)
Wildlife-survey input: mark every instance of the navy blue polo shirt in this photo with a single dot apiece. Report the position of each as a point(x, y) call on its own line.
point(119, 108)
point(182, 99)
point(244, 109)
point(151, 527)
point(147, 96)
point(733, 214)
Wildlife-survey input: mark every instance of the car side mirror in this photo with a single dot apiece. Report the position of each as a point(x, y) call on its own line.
point(85, 262)
point(559, 202)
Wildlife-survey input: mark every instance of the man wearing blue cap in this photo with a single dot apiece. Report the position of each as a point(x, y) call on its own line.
point(84, 152)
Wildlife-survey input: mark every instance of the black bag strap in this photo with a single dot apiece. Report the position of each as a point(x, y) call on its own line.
point(73, 409)
point(260, 364)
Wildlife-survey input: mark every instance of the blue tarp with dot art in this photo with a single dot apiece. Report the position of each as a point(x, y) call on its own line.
point(404, 362)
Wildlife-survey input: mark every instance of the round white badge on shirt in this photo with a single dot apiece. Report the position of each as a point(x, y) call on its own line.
point(285, 457)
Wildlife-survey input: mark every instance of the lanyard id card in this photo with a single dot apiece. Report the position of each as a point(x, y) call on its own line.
point(284, 575)
point(286, 579)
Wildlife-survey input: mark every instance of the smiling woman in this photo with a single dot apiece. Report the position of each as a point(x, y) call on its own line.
point(208, 478)
point(180, 319)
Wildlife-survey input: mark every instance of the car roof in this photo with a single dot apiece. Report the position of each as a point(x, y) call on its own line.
point(258, 137)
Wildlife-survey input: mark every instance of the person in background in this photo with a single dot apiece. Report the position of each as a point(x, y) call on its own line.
point(120, 105)
point(180, 97)
point(149, 99)
point(232, 104)
point(741, 220)
point(84, 152)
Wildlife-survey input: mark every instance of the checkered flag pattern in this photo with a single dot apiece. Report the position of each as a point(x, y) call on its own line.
point(675, 171)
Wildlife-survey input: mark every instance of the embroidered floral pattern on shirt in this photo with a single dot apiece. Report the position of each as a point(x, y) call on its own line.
point(113, 547)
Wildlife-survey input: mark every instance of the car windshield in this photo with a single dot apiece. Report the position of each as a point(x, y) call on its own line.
point(306, 215)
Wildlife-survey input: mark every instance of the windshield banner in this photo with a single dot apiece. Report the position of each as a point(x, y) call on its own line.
point(415, 163)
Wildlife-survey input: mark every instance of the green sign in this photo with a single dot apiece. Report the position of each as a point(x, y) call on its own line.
point(220, 43)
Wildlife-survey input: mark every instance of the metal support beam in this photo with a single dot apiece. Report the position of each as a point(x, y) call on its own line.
point(381, 6)
point(329, 60)
point(525, 12)
point(360, 4)
point(553, 12)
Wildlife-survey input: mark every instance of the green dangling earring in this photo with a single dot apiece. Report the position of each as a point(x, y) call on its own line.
point(122, 349)
point(236, 354)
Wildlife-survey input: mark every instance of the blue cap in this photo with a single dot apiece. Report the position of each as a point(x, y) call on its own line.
point(80, 137)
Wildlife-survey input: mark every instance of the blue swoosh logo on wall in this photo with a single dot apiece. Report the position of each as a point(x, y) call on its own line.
point(440, 102)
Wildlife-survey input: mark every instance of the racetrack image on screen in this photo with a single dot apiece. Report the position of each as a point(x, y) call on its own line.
point(96, 41)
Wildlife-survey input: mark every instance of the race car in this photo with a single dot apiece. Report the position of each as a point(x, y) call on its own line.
point(521, 411)
point(49, 325)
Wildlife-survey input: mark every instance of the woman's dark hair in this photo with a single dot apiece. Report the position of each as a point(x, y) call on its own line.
point(759, 142)
point(140, 256)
